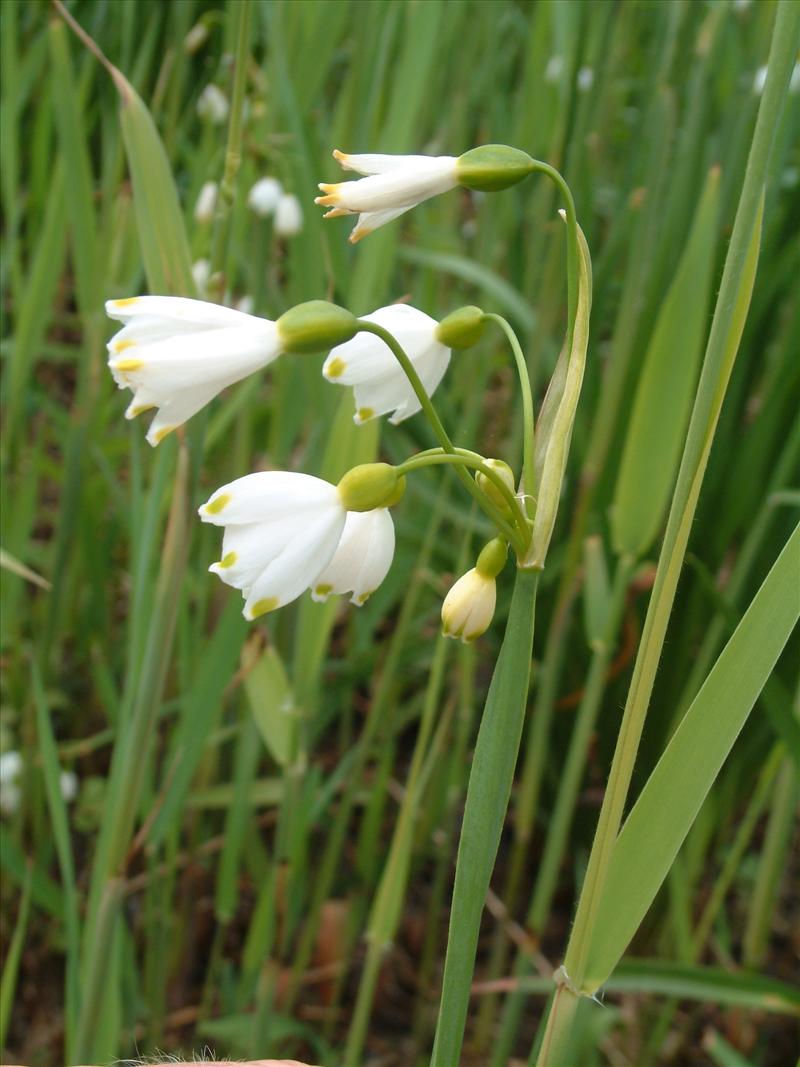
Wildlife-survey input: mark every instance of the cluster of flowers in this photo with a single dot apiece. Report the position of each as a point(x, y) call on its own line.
point(288, 532)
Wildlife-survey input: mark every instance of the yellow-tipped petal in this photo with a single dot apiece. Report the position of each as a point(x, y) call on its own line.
point(165, 431)
point(126, 365)
point(365, 414)
point(261, 607)
point(341, 156)
point(228, 560)
point(335, 368)
point(125, 302)
point(215, 506)
point(121, 346)
point(335, 212)
point(138, 409)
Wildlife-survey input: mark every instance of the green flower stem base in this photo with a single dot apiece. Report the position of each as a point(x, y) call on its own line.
point(518, 534)
point(488, 791)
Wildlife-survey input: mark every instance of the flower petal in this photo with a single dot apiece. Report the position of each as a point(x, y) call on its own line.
point(268, 495)
point(362, 558)
point(298, 565)
point(368, 221)
point(178, 310)
point(372, 163)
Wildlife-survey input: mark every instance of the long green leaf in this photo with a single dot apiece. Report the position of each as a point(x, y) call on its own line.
point(665, 389)
point(484, 814)
point(675, 791)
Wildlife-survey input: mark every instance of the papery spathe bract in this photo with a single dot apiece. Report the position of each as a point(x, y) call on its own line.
point(379, 382)
point(391, 186)
point(281, 532)
point(177, 354)
point(362, 559)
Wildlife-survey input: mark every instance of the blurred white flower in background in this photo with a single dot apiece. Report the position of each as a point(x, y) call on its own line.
point(212, 104)
point(10, 770)
point(264, 196)
point(68, 781)
point(552, 72)
point(759, 80)
point(10, 792)
point(201, 273)
point(585, 79)
point(206, 202)
point(288, 216)
point(245, 305)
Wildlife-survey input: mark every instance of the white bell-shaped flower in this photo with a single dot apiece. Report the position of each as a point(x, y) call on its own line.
point(468, 608)
point(363, 558)
point(177, 354)
point(380, 383)
point(393, 185)
point(281, 532)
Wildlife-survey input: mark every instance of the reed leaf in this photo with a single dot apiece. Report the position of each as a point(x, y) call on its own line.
point(674, 793)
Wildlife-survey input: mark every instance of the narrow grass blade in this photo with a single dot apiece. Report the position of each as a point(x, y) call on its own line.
point(675, 791)
point(61, 836)
point(713, 985)
point(8, 980)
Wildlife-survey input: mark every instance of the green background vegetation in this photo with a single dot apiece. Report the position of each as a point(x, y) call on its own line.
point(260, 856)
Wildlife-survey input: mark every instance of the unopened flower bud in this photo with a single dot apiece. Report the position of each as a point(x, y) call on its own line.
point(462, 328)
point(492, 167)
point(490, 488)
point(371, 485)
point(315, 326)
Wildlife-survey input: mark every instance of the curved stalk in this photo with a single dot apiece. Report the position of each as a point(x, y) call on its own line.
point(436, 425)
point(528, 479)
point(517, 534)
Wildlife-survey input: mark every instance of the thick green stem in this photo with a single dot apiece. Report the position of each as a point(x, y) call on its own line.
point(574, 767)
point(484, 815)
